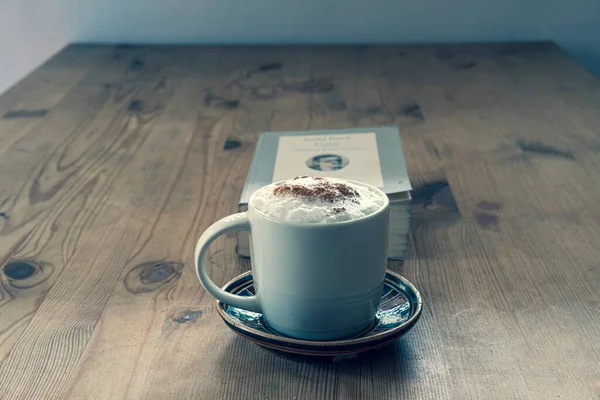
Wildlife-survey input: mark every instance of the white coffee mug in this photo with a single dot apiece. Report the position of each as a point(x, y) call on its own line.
point(314, 281)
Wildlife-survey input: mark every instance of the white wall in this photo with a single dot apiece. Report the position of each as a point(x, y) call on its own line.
point(573, 24)
point(30, 32)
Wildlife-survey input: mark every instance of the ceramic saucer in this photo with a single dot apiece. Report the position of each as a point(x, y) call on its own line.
point(399, 310)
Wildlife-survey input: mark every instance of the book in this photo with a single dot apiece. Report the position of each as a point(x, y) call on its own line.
point(370, 155)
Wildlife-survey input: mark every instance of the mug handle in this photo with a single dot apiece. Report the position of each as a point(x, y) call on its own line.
point(236, 222)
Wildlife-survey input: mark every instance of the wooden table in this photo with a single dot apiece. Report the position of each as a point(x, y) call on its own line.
point(113, 160)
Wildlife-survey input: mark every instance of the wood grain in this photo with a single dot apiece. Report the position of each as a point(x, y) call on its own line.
point(114, 159)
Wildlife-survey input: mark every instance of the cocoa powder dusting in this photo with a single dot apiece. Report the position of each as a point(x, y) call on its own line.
point(316, 178)
point(324, 191)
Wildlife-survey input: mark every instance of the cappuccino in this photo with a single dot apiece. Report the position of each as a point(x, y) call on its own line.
point(318, 256)
point(317, 200)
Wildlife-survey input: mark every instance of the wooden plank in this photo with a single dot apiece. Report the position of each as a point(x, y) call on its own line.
point(103, 212)
point(71, 191)
point(31, 207)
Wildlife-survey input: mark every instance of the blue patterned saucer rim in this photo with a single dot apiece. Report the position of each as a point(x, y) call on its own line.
point(400, 308)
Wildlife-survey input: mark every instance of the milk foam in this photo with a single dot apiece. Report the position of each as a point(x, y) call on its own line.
point(316, 200)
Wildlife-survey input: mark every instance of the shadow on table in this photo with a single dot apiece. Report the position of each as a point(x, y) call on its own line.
point(248, 367)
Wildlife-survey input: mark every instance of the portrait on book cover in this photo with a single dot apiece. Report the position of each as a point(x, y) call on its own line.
point(327, 162)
